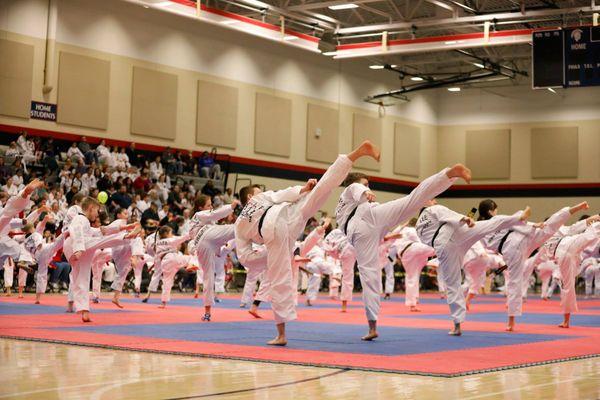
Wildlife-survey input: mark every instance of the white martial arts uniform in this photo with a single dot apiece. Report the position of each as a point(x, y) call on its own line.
point(121, 258)
point(414, 255)
point(445, 231)
point(208, 244)
point(83, 238)
point(320, 264)
point(283, 215)
point(515, 245)
point(387, 259)
point(337, 243)
point(170, 261)
point(366, 224)
point(591, 272)
point(477, 262)
point(567, 252)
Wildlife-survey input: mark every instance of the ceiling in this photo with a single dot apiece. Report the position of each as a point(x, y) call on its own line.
point(402, 21)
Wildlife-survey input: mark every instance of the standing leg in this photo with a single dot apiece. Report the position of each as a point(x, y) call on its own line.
point(451, 257)
point(389, 279)
point(168, 276)
point(22, 281)
point(123, 266)
point(9, 273)
point(348, 260)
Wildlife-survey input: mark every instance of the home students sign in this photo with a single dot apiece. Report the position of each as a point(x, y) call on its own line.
point(45, 111)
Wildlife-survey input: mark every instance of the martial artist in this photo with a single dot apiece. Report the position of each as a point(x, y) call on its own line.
point(366, 222)
point(451, 235)
point(277, 219)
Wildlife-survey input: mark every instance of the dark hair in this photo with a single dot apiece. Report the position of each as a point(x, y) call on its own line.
point(485, 208)
point(77, 198)
point(245, 192)
point(164, 231)
point(201, 201)
point(354, 177)
point(584, 216)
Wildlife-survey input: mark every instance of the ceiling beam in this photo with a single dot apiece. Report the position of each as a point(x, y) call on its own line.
point(376, 11)
point(468, 19)
point(325, 4)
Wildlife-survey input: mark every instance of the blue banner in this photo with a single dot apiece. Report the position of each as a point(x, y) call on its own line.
point(45, 111)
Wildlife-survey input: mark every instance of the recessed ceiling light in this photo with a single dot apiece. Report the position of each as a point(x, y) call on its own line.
point(329, 53)
point(478, 65)
point(229, 22)
point(146, 6)
point(451, 42)
point(552, 90)
point(163, 4)
point(376, 66)
point(343, 6)
point(393, 66)
point(454, 89)
point(290, 37)
point(416, 79)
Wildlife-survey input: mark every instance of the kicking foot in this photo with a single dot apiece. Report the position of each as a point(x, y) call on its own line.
point(367, 148)
point(116, 303)
point(460, 171)
point(277, 342)
point(414, 309)
point(370, 336)
point(255, 314)
point(526, 214)
point(206, 317)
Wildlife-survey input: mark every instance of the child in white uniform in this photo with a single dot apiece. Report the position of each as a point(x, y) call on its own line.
point(451, 235)
point(366, 223)
point(277, 219)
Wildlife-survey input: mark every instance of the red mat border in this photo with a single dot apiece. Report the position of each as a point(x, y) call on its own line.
point(306, 364)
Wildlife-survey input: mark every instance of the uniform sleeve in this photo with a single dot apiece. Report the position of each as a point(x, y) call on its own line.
point(577, 228)
point(355, 192)
point(309, 242)
point(114, 227)
point(289, 195)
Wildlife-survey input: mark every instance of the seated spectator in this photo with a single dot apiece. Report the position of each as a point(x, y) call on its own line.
point(74, 154)
point(133, 155)
point(121, 198)
point(5, 170)
point(103, 155)
point(141, 184)
point(122, 159)
point(187, 158)
point(150, 218)
point(207, 166)
point(227, 199)
point(209, 189)
point(50, 162)
point(168, 161)
point(10, 187)
point(156, 169)
point(12, 153)
point(86, 150)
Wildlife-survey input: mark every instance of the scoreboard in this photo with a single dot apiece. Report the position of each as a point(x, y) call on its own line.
point(566, 57)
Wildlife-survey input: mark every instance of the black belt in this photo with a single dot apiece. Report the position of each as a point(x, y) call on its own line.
point(261, 220)
point(407, 246)
point(503, 240)
point(437, 232)
point(345, 228)
point(556, 248)
point(391, 259)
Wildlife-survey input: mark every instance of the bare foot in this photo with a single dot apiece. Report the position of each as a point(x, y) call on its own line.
point(70, 307)
point(370, 336)
point(510, 328)
point(456, 331)
point(544, 299)
point(37, 302)
point(196, 295)
point(563, 325)
point(85, 316)
point(255, 314)
point(308, 303)
point(116, 303)
point(460, 171)
point(365, 149)
point(278, 341)
point(20, 296)
point(345, 306)
point(414, 309)
point(526, 214)
point(163, 305)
